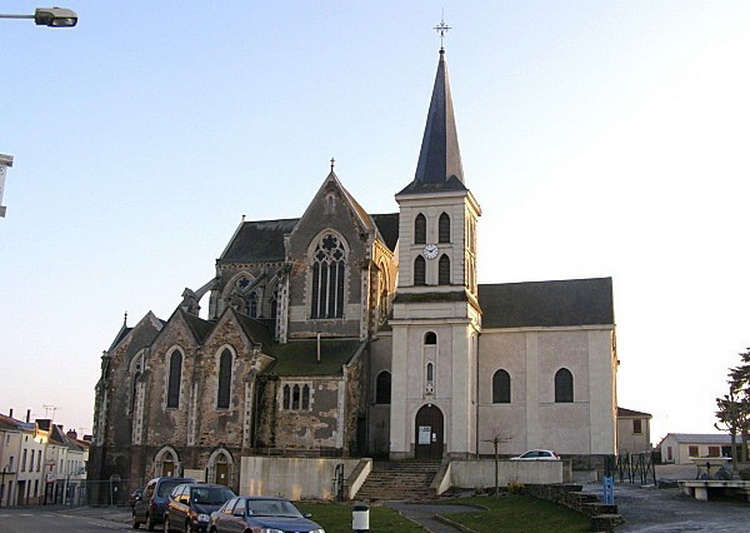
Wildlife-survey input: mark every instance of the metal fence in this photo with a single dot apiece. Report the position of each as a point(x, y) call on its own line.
point(635, 467)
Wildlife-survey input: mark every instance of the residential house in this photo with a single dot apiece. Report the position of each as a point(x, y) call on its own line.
point(681, 448)
point(633, 431)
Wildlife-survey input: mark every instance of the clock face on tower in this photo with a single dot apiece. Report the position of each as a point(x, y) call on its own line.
point(430, 251)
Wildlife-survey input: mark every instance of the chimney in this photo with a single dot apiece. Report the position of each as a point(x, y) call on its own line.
point(72, 434)
point(28, 415)
point(88, 438)
point(10, 414)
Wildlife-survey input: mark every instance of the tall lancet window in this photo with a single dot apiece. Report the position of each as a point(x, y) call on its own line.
point(328, 276)
point(444, 228)
point(175, 378)
point(444, 270)
point(252, 304)
point(225, 379)
point(420, 229)
point(420, 271)
point(275, 304)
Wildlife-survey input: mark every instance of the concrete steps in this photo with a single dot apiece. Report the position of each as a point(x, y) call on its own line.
point(401, 480)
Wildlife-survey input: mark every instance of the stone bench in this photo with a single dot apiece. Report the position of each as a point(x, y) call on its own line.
point(700, 488)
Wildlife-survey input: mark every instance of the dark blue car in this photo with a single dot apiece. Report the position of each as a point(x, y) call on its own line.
point(250, 514)
point(150, 506)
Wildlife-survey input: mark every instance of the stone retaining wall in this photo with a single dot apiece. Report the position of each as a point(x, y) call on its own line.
point(603, 517)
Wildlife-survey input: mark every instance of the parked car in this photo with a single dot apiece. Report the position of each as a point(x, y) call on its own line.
point(149, 509)
point(537, 455)
point(191, 504)
point(250, 514)
point(136, 495)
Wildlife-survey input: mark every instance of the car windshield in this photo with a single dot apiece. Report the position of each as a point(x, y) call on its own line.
point(272, 508)
point(166, 487)
point(211, 495)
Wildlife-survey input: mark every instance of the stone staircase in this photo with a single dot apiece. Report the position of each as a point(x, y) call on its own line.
point(399, 480)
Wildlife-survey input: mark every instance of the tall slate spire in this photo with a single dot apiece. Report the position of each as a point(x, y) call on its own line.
point(439, 166)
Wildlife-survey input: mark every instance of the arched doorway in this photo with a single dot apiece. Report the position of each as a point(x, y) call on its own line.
point(428, 433)
point(220, 467)
point(167, 462)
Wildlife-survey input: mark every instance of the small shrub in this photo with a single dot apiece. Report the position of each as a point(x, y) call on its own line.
point(516, 488)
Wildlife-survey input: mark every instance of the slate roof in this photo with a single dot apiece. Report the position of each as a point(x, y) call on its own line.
point(199, 327)
point(257, 330)
point(299, 358)
point(388, 227)
point(120, 335)
point(8, 423)
point(701, 438)
point(575, 302)
point(439, 166)
point(263, 241)
point(629, 413)
point(259, 242)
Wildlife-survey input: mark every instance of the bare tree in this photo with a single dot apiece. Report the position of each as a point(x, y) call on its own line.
point(498, 437)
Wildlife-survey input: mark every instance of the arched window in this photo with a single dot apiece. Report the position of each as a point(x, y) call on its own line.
point(444, 270)
point(430, 337)
point(330, 204)
point(563, 386)
point(225, 379)
point(295, 397)
point(252, 304)
point(383, 388)
point(383, 299)
point(175, 376)
point(444, 228)
point(328, 269)
point(134, 390)
point(305, 397)
point(501, 387)
point(275, 304)
point(430, 372)
point(420, 271)
point(420, 229)
point(285, 402)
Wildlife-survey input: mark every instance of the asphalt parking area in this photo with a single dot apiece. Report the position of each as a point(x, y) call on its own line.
point(648, 509)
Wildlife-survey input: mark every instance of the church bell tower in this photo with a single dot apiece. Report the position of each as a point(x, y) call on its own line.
point(436, 315)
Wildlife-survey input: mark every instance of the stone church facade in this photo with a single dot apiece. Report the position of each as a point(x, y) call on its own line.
point(344, 333)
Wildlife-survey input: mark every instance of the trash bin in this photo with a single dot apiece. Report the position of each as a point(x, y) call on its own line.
point(361, 518)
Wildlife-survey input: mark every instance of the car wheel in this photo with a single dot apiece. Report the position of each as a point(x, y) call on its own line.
point(150, 524)
point(136, 524)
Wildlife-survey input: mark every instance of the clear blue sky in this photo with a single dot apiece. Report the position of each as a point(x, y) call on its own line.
point(602, 138)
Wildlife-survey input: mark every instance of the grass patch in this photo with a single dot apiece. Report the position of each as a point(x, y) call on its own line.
point(519, 514)
point(337, 518)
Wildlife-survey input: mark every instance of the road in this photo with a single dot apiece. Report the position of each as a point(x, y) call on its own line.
point(33, 520)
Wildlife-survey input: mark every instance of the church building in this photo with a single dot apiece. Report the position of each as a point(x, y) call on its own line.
point(344, 333)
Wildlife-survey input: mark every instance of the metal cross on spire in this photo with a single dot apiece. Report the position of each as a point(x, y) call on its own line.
point(442, 29)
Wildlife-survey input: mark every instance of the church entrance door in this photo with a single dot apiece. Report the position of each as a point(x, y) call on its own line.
point(167, 469)
point(428, 433)
point(222, 473)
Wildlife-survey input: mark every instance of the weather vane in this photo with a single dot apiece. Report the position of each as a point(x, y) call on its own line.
point(442, 29)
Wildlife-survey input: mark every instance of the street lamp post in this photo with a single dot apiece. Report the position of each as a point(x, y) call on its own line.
point(5, 162)
point(54, 17)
